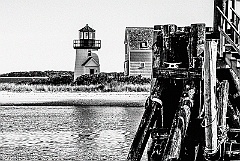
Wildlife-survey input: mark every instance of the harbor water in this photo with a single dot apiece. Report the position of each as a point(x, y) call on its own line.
point(67, 132)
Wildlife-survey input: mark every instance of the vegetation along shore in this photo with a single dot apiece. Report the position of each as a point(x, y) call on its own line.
point(102, 89)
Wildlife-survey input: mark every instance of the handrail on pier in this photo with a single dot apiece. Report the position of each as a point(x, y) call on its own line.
point(230, 23)
point(235, 12)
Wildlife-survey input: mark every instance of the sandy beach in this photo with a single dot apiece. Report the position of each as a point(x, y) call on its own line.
point(133, 99)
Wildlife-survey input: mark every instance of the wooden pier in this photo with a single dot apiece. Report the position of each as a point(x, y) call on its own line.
point(193, 111)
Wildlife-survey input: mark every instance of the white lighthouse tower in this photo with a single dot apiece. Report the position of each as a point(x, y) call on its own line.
point(87, 61)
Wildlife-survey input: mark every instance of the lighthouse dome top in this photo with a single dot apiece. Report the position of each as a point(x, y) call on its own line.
point(87, 29)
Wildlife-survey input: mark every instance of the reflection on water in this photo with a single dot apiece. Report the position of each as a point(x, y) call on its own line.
point(67, 132)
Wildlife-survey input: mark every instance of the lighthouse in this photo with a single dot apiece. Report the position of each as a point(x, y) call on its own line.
point(87, 61)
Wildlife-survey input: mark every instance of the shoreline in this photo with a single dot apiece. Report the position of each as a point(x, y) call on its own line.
point(126, 99)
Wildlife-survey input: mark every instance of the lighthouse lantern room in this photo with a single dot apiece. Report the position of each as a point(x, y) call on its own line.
point(87, 61)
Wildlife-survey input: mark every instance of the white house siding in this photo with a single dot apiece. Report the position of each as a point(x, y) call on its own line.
point(136, 58)
point(136, 52)
point(141, 56)
point(136, 70)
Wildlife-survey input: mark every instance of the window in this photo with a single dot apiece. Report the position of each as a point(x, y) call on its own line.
point(89, 53)
point(81, 35)
point(90, 35)
point(143, 45)
point(85, 35)
point(142, 65)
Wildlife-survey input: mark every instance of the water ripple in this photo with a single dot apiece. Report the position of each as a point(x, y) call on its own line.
point(67, 132)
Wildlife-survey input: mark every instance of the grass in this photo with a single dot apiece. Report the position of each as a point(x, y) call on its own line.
point(110, 87)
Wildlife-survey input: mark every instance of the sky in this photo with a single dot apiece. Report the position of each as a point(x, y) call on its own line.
point(37, 35)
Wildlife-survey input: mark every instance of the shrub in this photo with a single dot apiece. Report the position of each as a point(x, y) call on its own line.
point(60, 79)
point(105, 79)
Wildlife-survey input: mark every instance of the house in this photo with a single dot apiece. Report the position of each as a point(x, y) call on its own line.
point(138, 51)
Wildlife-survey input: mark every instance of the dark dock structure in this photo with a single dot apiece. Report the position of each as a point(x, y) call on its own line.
point(193, 111)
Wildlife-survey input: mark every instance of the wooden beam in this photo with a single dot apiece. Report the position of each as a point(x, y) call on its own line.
point(223, 102)
point(217, 17)
point(233, 120)
point(180, 125)
point(179, 73)
point(158, 55)
point(173, 89)
point(143, 132)
point(236, 85)
point(233, 66)
point(196, 44)
point(236, 79)
point(168, 52)
point(228, 21)
point(228, 38)
point(222, 113)
point(210, 57)
point(235, 13)
point(236, 21)
point(149, 117)
point(233, 6)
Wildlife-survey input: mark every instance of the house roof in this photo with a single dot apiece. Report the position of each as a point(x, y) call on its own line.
point(135, 35)
point(90, 59)
point(87, 29)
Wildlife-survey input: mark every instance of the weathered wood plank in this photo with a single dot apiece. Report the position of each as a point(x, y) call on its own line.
point(168, 53)
point(179, 73)
point(210, 56)
point(233, 104)
point(233, 120)
point(158, 48)
point(236, 80)
point(233, 66)
point(179, 43)
point(223, 103)
point(222, 113)
point(143, 132)
point(228, 38)
point(147, 122)
point(179, 125)
point(228, 21)
point(196, 44)
point(217, 16)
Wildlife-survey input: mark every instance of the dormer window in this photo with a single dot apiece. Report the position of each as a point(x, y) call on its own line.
point(141, 65)
point(143, 45)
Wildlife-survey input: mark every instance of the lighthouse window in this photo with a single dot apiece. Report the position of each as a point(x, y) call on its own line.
point(81, 35)
point(90, 35)
point(85, 35)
